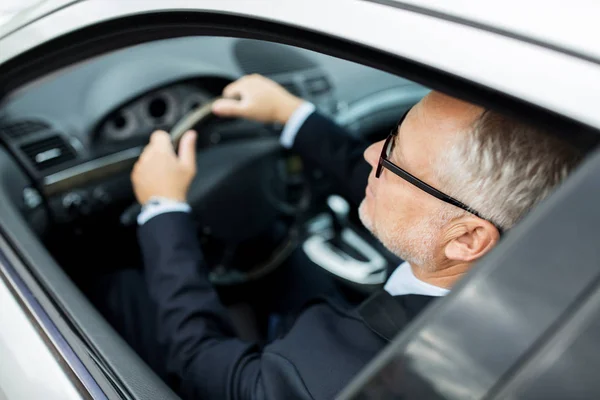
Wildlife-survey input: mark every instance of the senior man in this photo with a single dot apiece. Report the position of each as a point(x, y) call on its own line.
point(440, 191)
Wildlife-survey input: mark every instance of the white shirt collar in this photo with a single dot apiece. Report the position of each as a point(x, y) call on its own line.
point(403, 281)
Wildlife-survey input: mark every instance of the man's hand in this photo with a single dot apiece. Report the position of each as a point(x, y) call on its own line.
point(160, 172)
point(261, 99)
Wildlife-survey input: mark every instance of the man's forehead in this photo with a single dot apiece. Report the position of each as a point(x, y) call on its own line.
point(447, 112)
point(432, 125)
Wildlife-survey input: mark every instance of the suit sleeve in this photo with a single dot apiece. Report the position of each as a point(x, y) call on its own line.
point(323, 144)
point(203, 350)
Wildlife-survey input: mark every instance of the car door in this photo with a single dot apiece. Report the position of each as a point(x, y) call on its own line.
point(468, 344)
point(29, 368)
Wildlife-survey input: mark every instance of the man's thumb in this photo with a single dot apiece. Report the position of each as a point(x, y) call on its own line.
point(227, 108)
point(187, 149)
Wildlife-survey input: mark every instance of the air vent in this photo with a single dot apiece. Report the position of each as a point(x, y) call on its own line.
point(268, 58)
point(292, 88)
point(48, 152)
point(22, 128)
point(317, 86)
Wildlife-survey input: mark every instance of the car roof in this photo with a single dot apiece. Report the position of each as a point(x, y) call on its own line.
point(32, 13)
point(537, 21)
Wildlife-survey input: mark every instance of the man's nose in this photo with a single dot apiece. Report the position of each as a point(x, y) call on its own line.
point(373, 152)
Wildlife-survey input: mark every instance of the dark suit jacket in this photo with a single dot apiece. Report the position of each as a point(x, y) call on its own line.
point(321, 353)
point(325, 145)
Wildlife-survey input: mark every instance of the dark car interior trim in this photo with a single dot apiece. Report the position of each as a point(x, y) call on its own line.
point(127, 31)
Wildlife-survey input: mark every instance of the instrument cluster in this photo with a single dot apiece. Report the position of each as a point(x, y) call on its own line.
point(160, 109)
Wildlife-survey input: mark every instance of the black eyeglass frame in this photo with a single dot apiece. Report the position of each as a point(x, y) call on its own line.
point(384, 162)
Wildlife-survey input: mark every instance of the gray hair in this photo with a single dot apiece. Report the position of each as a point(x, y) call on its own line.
point(503, 167)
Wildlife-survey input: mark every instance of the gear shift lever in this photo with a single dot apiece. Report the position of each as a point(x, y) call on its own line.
point(339, 249)
point(339, 206)
point(339, 209)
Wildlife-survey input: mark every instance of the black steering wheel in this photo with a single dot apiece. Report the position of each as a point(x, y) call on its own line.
point(238, 198)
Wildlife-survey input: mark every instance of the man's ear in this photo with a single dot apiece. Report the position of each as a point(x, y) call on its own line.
point(469, 238)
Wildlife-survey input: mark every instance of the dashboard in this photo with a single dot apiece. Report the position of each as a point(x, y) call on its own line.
point(158, 110)
point(77, 133)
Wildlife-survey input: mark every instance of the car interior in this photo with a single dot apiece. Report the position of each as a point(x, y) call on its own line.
point(71, 138)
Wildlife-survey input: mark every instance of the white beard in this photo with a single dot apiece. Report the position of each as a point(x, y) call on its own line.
point(364, 218)
point(414, 244)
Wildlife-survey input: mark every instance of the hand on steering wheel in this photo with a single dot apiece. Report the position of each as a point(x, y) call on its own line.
point(259, 99)
point(159, 172)
point(236, 195)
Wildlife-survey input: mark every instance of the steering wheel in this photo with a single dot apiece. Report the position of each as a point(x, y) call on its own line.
point(237, 196)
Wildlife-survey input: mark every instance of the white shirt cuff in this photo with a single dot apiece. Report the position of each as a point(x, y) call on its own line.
point(291, 128)
point(160, 205)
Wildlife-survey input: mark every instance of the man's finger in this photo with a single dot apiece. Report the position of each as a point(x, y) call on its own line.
point(161, 140)
point(234, 89)
point(134, 171)
point(228, 107)
point(145, 151)
point(187, 149)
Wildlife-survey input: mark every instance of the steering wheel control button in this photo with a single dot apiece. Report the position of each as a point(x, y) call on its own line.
point(31, 198)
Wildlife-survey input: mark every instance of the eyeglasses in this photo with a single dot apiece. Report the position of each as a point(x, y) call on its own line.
point(384, 162)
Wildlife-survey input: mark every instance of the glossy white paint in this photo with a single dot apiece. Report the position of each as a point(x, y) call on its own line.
point(573, 25)
point(26, 12)
point(9, 8)
point(28, 369)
